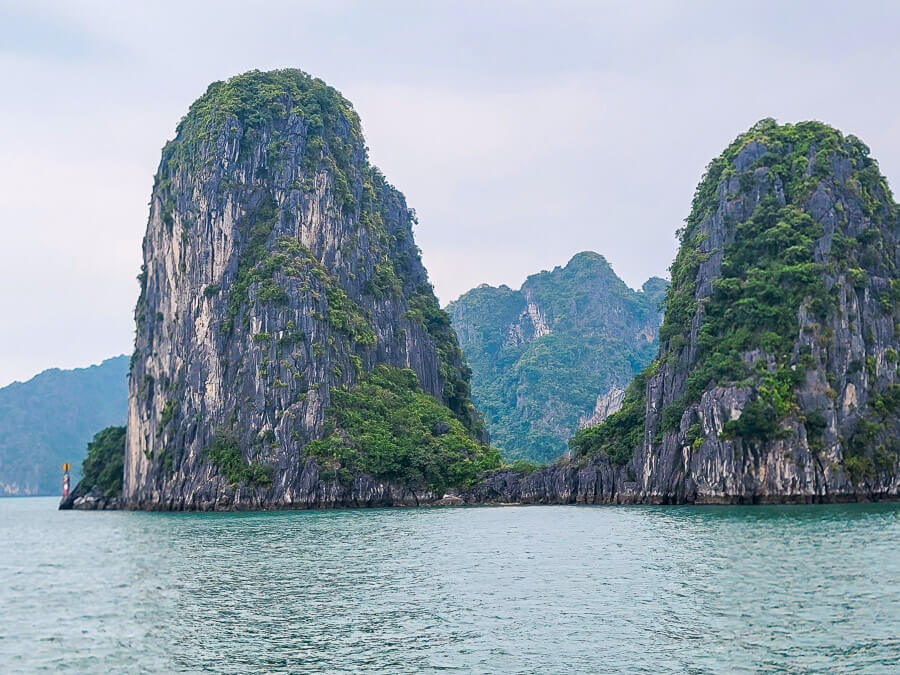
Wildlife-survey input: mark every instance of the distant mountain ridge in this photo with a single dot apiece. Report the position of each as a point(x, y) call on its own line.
point(542, 355)
point(49, 420)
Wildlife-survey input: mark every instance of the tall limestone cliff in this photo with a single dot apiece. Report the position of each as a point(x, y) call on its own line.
point(542, 355)
point(290, 351)
point(777, 377)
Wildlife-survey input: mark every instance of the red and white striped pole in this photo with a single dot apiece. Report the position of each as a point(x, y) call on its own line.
point(66, 466)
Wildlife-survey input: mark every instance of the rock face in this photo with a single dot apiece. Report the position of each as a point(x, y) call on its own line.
point(541, 355)
point(278, 265)
point(777, 377)
point(606, 405)
point(92, 500)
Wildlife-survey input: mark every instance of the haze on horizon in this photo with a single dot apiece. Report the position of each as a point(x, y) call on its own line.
point(522, 133)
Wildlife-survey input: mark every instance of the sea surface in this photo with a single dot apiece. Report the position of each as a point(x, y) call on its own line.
point(540, 589)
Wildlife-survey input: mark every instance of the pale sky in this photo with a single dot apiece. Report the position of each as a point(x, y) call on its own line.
point(521, 132)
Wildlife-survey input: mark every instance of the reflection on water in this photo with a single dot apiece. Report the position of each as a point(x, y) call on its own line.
point(523, 589)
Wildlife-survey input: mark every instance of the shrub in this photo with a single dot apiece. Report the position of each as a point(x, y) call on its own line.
point(225, 453)
point(388, 428)
point(694, 434)
point(870, 367)
point(168, 412)
point(346, 316)
point(859, 468)
point(670, 417)
point(384, 281)
point(522, 466)
point(757, 422)
point(857, 277)
point(104, 465)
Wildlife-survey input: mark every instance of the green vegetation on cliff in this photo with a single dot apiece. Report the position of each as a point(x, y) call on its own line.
point(255, 100)
point(771, 268)
point(225, 454)
point(541, 355)
point(388, 428)
point(783, 224)
point(104, 464)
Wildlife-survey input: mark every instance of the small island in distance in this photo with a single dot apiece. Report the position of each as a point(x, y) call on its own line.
point(290, 352)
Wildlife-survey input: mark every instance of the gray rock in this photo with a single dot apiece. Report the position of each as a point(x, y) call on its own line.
point(93, 500)
point(607, 404)
point(278, 265)
point(849, 357)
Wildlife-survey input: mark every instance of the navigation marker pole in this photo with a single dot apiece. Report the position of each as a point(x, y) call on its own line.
point(66, 467)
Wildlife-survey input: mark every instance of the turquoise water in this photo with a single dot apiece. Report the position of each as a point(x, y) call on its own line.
point(519, 589)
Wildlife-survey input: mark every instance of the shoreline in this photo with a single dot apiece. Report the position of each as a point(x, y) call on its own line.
point(796, 500)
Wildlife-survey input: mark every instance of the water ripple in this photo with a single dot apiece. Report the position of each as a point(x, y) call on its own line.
point(525, 590)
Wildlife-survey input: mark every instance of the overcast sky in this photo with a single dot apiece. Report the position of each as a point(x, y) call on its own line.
point(521, 132)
